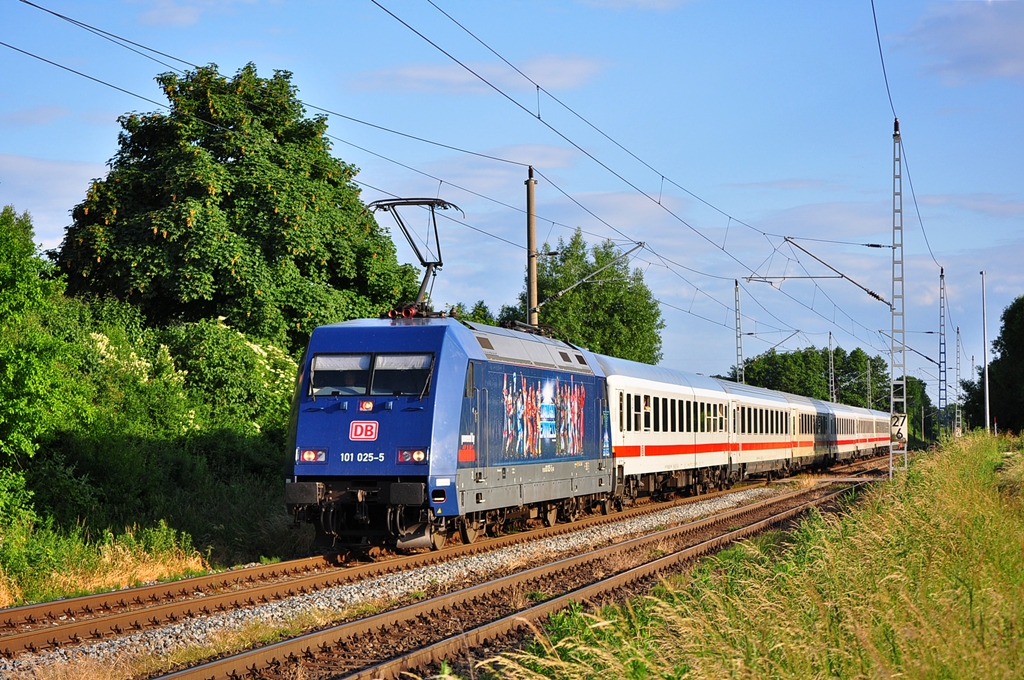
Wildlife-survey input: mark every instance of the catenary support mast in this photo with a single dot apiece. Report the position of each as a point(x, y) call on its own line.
point(898, 361)
point(943, 396)
point(740, 372)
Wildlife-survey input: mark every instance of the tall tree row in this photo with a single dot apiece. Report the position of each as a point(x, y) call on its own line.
point(1006, 376)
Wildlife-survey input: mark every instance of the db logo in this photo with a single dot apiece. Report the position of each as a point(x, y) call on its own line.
point(363, 430)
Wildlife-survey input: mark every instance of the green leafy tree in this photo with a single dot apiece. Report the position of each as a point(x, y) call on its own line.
point(231, 205)
point(805, 372)
point(1005, 373)
point(614, 313)
point(36, 392)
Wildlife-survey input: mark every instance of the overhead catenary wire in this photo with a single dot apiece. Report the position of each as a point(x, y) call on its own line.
point(214, 125)
point(457, 149)
point(359, 182)
point(903, 153)
point(540, 88)
point(585, 152)
point(562, 135)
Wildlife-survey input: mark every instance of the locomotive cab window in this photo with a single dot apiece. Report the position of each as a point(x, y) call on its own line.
point(401, 374)
point(339, 374)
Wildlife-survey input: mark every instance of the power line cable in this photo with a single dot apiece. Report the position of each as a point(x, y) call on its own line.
point(590, 124)
point(126, 43)
point(99, 31)
point(218, 127)
point(881, 57)
point(892, 107)
point(560, 134)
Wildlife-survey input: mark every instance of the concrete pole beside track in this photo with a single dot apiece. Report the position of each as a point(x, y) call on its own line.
point(531, 253)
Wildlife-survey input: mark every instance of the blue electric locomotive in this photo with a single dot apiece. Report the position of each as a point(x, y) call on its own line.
point(407, 429)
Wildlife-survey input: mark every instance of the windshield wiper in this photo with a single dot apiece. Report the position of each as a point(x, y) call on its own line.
point(430, 374)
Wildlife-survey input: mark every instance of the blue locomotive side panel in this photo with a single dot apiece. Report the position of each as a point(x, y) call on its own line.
point(541, 415)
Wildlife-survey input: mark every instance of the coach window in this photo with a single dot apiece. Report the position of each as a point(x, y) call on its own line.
point(721, 417)
point(339, 374)
point(657, 414)
point(672, 410)
point(685, 421)
point(637, 412)
point(622, 413)
point(664, 414)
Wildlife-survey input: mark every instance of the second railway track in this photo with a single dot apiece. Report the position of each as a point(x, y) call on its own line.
point(448, 626)
point(81, 620)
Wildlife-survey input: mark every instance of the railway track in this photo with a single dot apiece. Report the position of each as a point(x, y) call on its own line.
point(54, 625)
point(63, 623)
point(450, 626)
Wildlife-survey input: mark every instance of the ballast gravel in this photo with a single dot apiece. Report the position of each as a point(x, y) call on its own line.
point(198, 631)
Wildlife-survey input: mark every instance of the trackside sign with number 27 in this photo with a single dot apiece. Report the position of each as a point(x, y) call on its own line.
point(363, 430)
point(899, 432)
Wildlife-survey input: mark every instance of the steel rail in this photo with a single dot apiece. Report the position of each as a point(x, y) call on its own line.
point(54, 611)
point(91, 618)
point(272, 657)
point(456, 647)
point(63, 623)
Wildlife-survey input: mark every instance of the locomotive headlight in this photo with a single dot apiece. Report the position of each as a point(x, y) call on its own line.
point(366, 405)
point(412, 455)
point(312, 455)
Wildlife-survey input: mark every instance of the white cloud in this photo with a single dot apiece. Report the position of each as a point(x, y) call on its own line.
point(40, 115)
point(792, 184)
point(994, 205)
point(47, 190)
point(170, 13)
point(553, 72)
point(969, 40)
point(836, 220)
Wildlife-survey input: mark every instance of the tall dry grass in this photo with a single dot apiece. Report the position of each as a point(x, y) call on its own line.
point(924, 578)
point(44, 563)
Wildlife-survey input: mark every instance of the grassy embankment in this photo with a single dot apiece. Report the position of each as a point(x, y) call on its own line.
point(924, 578)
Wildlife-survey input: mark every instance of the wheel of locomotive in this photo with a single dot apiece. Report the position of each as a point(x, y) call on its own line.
point(494, 522)
point(572, 510)
point(550, 515)
point(438, 534)
point(470, 528)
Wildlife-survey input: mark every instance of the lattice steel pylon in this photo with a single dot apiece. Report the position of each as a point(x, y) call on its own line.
point(741, 374)
point(943, 397)
point(898, 360)
point(831, 371)
point(958, 424)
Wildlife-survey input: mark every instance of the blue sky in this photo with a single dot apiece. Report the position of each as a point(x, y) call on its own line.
point(775, 114)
